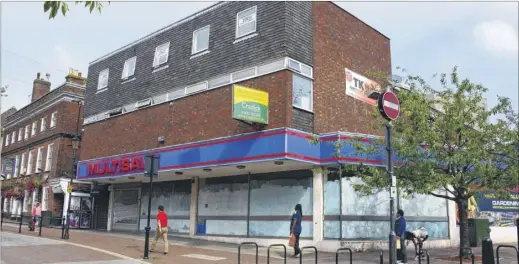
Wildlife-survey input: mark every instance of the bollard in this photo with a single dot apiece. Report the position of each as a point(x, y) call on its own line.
point(487, 251)
point(381, 257)
point(2, 222)
point(21, 222)
point(62, 228)
point(517, 227)
point(40, 224)
point(428, 257)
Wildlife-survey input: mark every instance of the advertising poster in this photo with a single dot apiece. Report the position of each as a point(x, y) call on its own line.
point(250, 105)
point(360, 87)
point(500, 212)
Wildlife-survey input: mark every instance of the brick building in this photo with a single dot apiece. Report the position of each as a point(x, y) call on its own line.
point(229, 168)
point(38, 143)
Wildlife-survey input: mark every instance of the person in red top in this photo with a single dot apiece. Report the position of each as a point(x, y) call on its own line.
point(162, 230)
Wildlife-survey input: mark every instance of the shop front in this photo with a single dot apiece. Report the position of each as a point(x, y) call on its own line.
point(245, 187)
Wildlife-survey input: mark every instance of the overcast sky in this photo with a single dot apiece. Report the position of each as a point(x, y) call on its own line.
point(426, 38)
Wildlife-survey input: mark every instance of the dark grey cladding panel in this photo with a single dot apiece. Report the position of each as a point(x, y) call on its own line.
point(275, 39)
point(302, 120)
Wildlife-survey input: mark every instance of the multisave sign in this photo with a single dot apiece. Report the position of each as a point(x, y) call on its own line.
point(117, 166)
point(389, 106)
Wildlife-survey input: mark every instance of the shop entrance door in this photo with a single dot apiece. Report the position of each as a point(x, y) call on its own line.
point(125, 210)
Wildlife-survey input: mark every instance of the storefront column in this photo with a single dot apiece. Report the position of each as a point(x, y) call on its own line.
point(110, 207)
point(193, 206)
point(318, 204)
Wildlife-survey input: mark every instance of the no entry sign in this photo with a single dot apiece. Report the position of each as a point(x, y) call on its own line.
point(389, 106)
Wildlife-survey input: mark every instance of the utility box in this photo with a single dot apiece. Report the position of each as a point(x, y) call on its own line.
point(478, 229)
point(46, 218)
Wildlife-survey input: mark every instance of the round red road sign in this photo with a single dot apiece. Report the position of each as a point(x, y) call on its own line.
point(389, 106)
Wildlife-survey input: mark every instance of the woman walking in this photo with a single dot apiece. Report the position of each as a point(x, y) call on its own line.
point(295, 227)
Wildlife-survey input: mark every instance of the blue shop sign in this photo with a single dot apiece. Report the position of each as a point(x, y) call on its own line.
point(490, 202)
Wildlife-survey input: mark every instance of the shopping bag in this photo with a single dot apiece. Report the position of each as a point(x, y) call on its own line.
point(398, 246)
point(292, 241)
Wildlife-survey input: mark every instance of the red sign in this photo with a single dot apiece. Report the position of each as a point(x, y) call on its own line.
point(389, 106)
point(117, 166)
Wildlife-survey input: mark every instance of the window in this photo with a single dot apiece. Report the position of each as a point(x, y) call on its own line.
point(103, 79)
point(45, 199)
point(246, 22)
point(302, 92)
point(200, 40)
point(34, 128)
point(143, 103)
point(48, 164)
point(20, 134)
point(53, 119)
point(39, 160)
point(22, 165)
point(34, 197)
point(7, 137)
point(129, 68)
point(25, 201)
point(17, 166)
point(13, 137)
point(161, 55)
point(8, 176)
point(26, 134)
point(43, 124)
point(30, 160)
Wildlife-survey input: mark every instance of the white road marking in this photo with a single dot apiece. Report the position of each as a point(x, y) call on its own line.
point(204, 257)
point(391, 105)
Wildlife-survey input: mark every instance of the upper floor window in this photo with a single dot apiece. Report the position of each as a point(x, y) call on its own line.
point(48, 164)
point(17, 166)
point(161, 54)
point(103, 79)
point(129, 68)
point(39, 160)
point(23, 169)
point(30, 158)
point(53, 119)
point(34, 128)
point(43, 124)
point(200, 40)
point(13, 137)
point(26, 134)
point(20, 134)
point(302, 92)
point(246, 22)
point(7, 139)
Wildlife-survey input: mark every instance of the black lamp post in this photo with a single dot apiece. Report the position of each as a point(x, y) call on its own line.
point(75, 146)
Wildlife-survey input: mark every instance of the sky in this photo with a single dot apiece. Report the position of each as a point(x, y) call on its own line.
point(481, 38)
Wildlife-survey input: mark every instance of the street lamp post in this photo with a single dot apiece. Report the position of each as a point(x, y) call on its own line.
point(75, 146)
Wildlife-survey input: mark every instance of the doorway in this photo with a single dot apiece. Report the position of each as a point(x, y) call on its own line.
point(125, 210)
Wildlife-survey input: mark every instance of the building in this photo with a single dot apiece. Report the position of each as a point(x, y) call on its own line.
point(229, 98)
point(37, 144)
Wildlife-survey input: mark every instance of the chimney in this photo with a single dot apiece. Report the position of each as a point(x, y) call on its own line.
point(40, 87)
point(74, 76)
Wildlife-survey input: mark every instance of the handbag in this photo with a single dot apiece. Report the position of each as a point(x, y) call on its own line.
point(398, 245)
point(292, 241)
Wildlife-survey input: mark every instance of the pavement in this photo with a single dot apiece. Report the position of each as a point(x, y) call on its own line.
point(90, 247)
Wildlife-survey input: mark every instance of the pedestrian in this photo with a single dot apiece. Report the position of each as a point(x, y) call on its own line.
point(295, 227)
point(36, 215)
point(162, 230)
point(400, 230)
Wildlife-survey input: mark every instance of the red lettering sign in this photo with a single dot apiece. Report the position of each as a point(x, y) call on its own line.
point(116, 165)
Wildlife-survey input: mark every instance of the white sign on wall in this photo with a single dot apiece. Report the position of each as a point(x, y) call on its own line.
point(360, 87)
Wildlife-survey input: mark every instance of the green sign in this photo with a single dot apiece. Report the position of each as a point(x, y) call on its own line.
point(250, 105)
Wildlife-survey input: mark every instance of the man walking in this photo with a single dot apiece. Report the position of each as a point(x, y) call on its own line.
point(400, 227)
point(162, 230)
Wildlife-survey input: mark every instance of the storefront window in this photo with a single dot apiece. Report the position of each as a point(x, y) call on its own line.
point(302, 92)
point(80, 214)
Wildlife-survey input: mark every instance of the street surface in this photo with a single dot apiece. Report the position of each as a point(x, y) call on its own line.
point(89, 247)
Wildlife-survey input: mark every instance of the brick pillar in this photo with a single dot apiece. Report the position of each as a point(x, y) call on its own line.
point(194, 206)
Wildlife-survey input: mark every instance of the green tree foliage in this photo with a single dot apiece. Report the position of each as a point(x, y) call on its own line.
point(446, 144)
point(54, 7)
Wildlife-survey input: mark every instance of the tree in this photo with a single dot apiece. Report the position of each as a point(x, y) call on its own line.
point(445, 144)
point(53, 7)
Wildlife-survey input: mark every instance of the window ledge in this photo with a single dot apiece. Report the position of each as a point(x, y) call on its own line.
point(198, 54)
point(240, 39)
point(302, 109)
point(159, 68)
point(128, 80)
point(102, 90)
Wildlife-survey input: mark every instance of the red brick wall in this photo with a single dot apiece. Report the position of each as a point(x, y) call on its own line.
point(201, 116)
point(343, 41)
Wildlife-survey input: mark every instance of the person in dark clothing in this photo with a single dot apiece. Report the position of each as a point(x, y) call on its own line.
point(295, 227)
point(400, 230)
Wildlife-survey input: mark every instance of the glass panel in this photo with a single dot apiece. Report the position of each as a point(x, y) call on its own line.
point(331, 229)
point(424, 205)
point(248, 73)
point(278, 228)
point(302, 92)
point(175, 196)
point(365, 229)
point(246, 22)
point(434, 229)
point(219, 81)
point(226, 227)
point(331, 196)
point(354, 203)
point(202, 40)
point(274, 66)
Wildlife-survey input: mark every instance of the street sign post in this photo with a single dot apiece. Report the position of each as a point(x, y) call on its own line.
point(389, 108)
point(151, 169)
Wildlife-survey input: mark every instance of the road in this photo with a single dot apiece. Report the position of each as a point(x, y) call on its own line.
point(20, 249)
